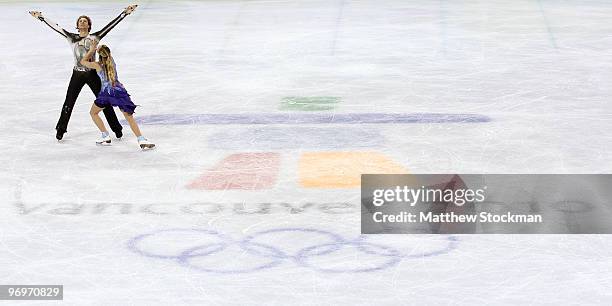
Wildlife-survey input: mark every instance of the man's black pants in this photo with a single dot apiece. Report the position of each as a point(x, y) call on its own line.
point(77, 81)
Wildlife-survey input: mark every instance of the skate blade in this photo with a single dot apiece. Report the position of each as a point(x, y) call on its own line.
point(147, 146)
point(106, 143)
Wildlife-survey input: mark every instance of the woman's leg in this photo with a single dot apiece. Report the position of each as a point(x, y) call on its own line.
point(133, 125)
point(94, 111)
point(93, 81)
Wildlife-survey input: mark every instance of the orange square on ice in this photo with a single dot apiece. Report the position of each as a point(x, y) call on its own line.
point(343, 169)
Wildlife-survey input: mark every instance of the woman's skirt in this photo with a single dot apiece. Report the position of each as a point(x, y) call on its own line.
point(116, 96)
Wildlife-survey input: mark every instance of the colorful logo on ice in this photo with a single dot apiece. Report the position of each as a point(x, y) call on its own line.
point(333, 149)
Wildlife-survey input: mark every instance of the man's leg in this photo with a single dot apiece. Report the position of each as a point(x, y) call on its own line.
point(93, 81)
point(77, 81)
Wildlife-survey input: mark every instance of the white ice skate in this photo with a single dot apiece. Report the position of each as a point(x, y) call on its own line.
point(145, 144)
point(103, 140)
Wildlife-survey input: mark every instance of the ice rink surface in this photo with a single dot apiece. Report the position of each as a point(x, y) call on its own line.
point(264, 112)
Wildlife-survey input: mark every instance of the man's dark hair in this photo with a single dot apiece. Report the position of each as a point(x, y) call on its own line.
point(88, 21)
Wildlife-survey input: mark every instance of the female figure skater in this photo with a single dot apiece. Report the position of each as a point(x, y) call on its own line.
point(112, 94)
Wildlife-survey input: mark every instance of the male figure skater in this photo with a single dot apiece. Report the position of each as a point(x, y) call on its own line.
point(81, 75)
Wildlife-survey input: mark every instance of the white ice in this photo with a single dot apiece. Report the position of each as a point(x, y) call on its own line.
point(540, 70)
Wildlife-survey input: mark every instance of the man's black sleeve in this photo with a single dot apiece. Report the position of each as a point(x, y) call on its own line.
point(110, 25)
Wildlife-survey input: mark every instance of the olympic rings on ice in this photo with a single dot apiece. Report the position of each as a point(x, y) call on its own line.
point(210, 242)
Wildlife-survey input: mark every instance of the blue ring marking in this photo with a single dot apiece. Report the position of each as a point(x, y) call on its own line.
point(309, 118)
point(209, 249)
point(133, 243)
point(277, 256)
point(394, 258)
point(186, 256)
point(247, 240)
point(453, 242)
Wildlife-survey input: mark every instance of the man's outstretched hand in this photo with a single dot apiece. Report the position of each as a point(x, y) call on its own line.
point(35, 14)
point(128, 10)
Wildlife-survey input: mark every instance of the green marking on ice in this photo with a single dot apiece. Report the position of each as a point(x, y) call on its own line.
point(309, 103)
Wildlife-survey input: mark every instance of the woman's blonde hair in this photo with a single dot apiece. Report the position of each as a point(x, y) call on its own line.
point(106, 61)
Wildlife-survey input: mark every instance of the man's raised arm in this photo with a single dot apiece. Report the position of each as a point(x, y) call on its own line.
point(128, 10)
point(38, 15)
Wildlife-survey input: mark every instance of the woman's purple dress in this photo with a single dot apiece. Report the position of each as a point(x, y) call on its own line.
point(114, 95)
